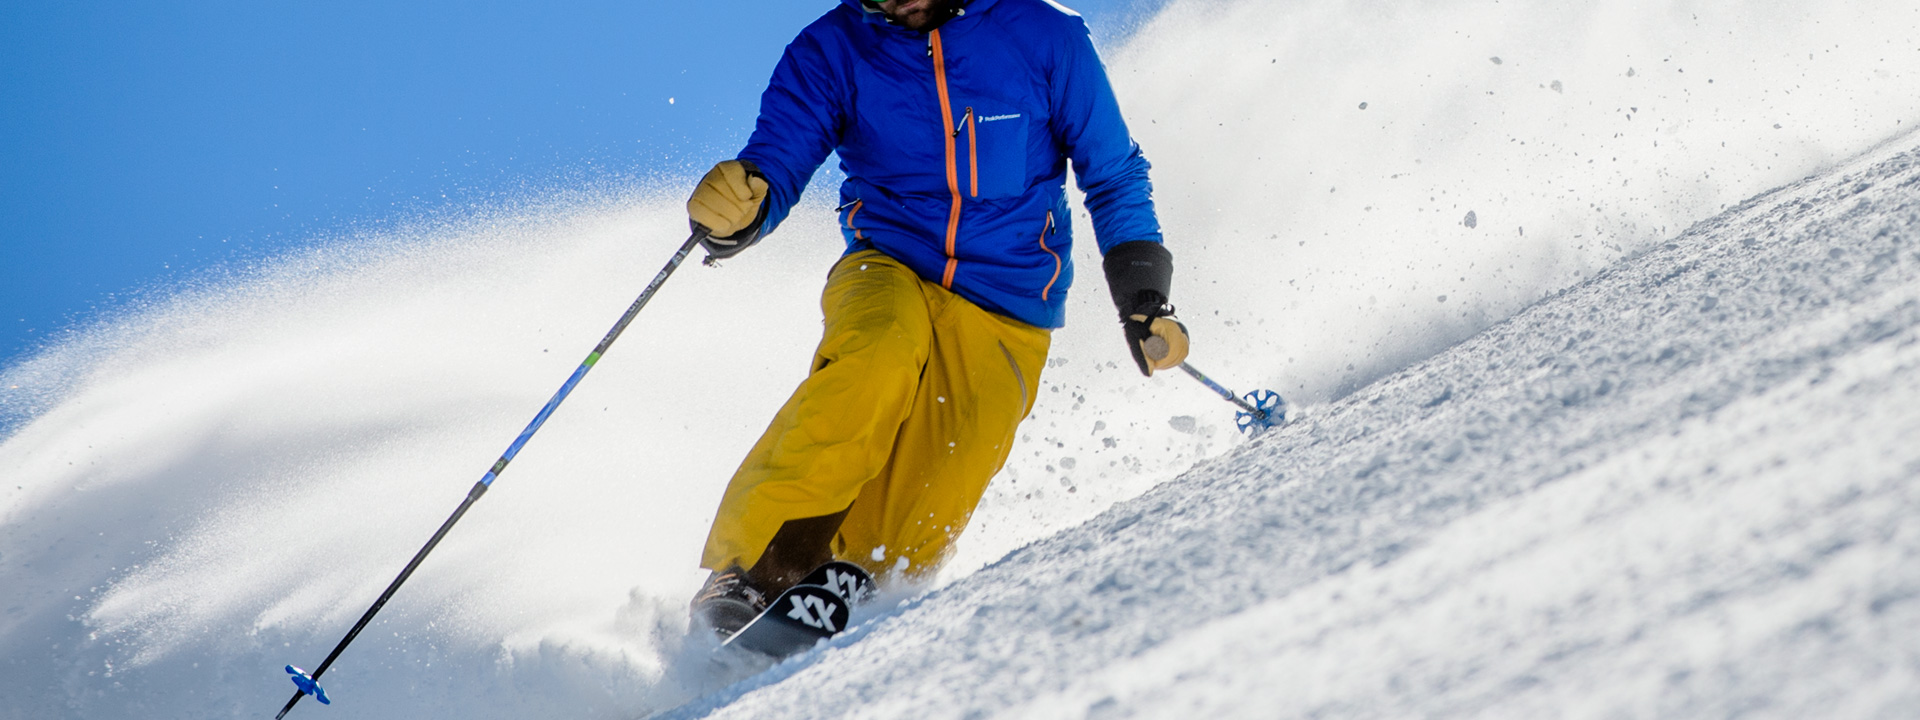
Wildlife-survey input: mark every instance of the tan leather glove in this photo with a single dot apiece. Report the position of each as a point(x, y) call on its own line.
point(730, 202)
point(1157, 343)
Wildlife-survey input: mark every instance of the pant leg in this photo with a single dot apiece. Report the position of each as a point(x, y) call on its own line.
point(982, 377)
point(838, 429)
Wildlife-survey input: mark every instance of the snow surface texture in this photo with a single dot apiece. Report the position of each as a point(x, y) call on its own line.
point(1684, 488)
point(206, 489)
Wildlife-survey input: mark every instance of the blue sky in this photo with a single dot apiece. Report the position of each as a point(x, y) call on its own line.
point(142, 143)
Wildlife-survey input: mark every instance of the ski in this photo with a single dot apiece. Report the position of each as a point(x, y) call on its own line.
point(816, 609)
point(849, 580)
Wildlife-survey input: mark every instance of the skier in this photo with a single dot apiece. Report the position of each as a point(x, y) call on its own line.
point(954, 121)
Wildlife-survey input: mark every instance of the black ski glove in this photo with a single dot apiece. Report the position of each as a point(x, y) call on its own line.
point(1140, 274)
point(730, 204)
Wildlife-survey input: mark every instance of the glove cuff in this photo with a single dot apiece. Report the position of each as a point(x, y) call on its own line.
point(1140, 276)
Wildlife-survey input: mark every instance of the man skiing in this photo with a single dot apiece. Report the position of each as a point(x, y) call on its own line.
point(954, 121)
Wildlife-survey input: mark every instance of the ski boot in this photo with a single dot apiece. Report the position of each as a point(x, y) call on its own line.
point(728, 601)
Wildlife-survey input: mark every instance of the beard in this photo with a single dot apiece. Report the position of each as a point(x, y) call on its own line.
point(920, 15)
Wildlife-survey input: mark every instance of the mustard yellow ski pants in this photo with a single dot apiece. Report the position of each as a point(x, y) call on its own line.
point(909, 411)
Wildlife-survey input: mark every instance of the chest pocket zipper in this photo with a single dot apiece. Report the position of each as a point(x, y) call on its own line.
point(973, 152)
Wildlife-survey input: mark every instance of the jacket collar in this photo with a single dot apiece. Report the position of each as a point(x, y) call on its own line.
point(871, 15)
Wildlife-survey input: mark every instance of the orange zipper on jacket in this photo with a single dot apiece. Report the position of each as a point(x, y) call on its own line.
point(953, 173)
point(855, 210)
point(973, 151)
point(1044, 232)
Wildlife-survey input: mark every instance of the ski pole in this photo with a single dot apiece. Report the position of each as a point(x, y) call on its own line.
point(308, 684)
point(1261, 409)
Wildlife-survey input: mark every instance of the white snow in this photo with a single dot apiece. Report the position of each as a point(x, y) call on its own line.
point(1675, 486)
point(1623, 502)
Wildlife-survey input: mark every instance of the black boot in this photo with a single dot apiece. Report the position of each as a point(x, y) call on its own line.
point(729, 601)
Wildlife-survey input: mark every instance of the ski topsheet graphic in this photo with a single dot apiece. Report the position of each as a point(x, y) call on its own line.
point(847, 579)
point(800, 617)
point(816, 609)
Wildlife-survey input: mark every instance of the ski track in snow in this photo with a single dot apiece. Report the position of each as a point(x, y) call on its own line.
point(1684, 488)
point(1673, 489)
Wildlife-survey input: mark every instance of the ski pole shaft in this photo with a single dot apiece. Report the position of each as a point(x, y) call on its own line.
point(499, 466)
point(1225, 393)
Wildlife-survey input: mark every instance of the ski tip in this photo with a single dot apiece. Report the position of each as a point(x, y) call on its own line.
point(1272, 412)
point(308, 685)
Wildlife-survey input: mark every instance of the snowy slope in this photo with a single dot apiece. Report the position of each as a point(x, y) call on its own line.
point(201, 490)
point(1684, 488)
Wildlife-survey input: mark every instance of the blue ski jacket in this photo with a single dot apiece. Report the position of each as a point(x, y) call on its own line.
point(955, 145)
